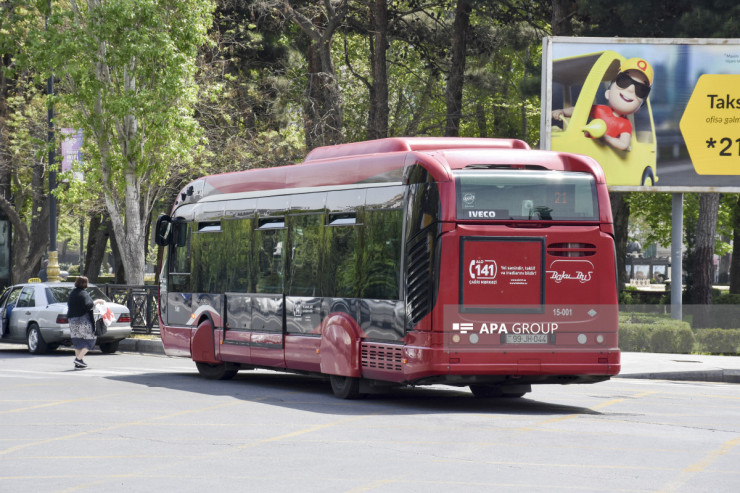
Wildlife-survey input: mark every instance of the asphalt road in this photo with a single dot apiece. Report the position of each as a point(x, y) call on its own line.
point(149, 423)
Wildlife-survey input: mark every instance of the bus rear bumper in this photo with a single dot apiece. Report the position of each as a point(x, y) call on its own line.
point(562, 366)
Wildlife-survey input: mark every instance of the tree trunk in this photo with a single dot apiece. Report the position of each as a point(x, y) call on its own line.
point(621, 213)
point(380, 71)
point(97, 241)
point(119, 269)
point(323, 120)
point(562, 14)
point(412, 128)
point(735, 265)
point(455, 81)
point(703, 265)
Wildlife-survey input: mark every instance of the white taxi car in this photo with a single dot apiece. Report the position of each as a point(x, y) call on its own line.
point(35, 314)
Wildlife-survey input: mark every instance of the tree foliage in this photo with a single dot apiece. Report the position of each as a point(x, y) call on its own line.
point(126, 73)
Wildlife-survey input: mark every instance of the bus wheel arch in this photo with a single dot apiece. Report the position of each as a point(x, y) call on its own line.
point(202, 344)
point(340, 346)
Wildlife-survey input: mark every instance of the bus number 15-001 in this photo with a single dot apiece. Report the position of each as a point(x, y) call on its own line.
point(562, 312)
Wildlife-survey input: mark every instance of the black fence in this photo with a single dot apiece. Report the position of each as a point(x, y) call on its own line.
point(142, 302)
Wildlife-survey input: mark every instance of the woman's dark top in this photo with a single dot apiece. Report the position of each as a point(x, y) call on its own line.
point(79, 303)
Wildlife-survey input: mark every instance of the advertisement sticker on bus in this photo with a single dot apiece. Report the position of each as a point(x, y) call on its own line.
point(501, 271)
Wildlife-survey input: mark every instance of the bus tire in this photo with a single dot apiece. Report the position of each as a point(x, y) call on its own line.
point(647, 180)
point(217, 371)
point(486, 391)
point(495, 391)
point(345, 387)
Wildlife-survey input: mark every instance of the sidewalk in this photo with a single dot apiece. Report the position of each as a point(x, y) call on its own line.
point(688, 367)
point(655, 366)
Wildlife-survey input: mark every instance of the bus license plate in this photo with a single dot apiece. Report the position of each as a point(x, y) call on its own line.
point(526, 338)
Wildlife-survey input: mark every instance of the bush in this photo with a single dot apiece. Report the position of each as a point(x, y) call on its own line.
point(643, 332)
point(634, 338)
point(718, 341)
point(672, 340)
point(726, 299)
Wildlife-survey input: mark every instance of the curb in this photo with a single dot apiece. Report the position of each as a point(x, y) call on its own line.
point(141, 346)
point(719, 376)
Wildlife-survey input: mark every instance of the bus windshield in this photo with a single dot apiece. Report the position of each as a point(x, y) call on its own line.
point(525, 195)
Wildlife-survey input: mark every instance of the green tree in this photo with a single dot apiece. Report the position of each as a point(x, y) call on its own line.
point(126, 76)
point(23, 160)
point(322, 108)
point(249, 99)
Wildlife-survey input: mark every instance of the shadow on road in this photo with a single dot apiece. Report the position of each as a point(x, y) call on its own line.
point(313, 394)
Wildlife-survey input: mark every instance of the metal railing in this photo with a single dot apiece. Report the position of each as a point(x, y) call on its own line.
point(142, 303)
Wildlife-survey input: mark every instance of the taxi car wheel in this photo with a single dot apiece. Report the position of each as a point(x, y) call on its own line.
point(109, 347)
point(36, 343)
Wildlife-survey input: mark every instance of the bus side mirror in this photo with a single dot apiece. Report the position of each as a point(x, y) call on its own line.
point(163, 230)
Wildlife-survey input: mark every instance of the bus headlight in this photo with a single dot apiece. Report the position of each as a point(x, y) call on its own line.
point(455, 338)
point(600, 339)
point(473, 338)
point(582, 338)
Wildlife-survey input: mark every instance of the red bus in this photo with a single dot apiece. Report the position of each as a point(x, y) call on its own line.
point(400, 261)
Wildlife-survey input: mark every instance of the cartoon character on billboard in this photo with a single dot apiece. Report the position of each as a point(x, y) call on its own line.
point(605, 130)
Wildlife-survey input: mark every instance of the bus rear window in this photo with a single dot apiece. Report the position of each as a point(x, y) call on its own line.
point(525, 195)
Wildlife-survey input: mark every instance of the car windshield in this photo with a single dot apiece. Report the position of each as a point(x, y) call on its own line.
point(60, 294)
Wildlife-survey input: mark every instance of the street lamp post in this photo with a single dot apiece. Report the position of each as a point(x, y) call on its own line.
point(52, 270)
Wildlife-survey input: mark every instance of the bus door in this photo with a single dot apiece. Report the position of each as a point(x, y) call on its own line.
point(237, 335)
point(267, 341)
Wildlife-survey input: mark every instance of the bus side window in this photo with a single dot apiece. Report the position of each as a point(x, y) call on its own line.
point(341, 256)
point(269, 243)
point(180, 258)
point(382, 254)
point(209, 255)
point(237, 235)
point(423, 207)
point(305, 243)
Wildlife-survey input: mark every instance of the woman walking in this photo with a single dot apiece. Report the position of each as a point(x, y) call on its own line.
point(79, 312)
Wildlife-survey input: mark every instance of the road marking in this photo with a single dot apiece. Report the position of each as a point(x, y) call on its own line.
point(593, 408)
point(213, 454)
point(701, 465)
point(106, 428)
point(310, 429)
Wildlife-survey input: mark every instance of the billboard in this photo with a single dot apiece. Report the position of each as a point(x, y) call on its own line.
point(72, 151)
point(657, 114)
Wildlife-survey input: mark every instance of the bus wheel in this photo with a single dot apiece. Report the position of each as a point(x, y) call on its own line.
point(345, 387)
point(219, 371)
point(648, 180)
point(495, 391)
point(486, 391)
